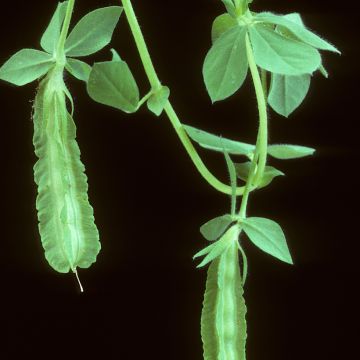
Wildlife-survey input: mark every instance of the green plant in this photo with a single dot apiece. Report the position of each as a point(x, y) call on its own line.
point(264, 44)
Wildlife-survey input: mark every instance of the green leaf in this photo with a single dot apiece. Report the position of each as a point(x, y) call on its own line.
point(51, 36)
point(294, 17)
point(243, 169)
point(217, 248)
point(223, 324)
point(205, 251)
point(285, 151)
point(226, 65)
point(279, 54)
point(93, 31)
point(116, 56)
point(221, 24)
point(217, 143)
point(216, 227)
point(112, 83)
point(288, 92)
point(78, 69)
point(291, 23)
point(26, 66)
point(268, 236)
point(158, 100)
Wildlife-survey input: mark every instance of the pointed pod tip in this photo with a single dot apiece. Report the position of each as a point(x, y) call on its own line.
point(78, 280)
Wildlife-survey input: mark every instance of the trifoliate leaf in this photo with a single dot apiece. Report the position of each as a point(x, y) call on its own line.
point(285, 151)
point(287, 92)
point(279, 54)
point(226, 65)
point(267, 235)
point(93, 31)
point(26, 66)
point(218, 143)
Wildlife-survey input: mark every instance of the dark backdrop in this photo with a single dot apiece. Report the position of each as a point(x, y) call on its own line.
point(143, 296)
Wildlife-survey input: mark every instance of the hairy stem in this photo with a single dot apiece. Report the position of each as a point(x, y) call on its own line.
point(259, 161)
point(174, 119)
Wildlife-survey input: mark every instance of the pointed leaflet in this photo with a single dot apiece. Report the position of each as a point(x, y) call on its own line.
point(287, 92)
point(219, 247)
point(78, 69)
point(221, 24)
point(243, 169)
point(51, 35)
point(26, 66)
point(216, 249)
point(158, 100)
point(223, 324)
point(218, 143)
point(214, 228)
point(323, 71)
point(93, 31)
point(115, 55)
point(205, 250)
point(268, 236)
point(298, 30)
point(112, 83)
point(225, 66)
point(296, 18)
point(66, 222)
point(285, 151)
point(276, 53)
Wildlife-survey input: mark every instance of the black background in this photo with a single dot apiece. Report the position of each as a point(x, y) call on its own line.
point(143, 296)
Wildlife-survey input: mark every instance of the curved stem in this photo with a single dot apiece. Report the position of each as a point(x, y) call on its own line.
point(169, 110)
point(259, 161)
point(262, 141)
point(64, 32)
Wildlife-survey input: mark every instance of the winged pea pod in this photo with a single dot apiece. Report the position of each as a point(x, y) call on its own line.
point(223, 324)
point(66, 222)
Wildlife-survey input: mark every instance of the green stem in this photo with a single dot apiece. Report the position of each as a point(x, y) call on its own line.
point(60, 53)
point(262, 142)
point(174, 119)
point(259, 161)
point(141, 45)
point(264, 83)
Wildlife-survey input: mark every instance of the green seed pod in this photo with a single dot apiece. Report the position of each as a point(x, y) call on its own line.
point(223, 324)
point(66, 222)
